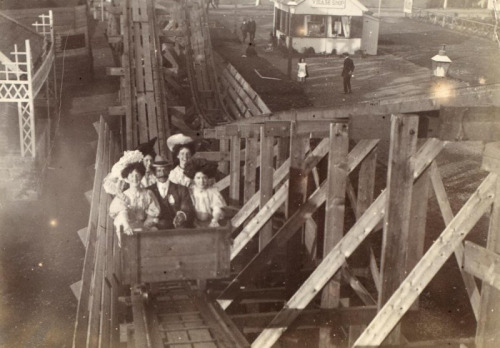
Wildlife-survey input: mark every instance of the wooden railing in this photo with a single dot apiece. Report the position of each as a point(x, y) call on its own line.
point(97, 292)
point(452, 21)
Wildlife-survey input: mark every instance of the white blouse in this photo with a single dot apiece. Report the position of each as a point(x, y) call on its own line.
point(130, 209)
point(207, 202)
point(178, 177)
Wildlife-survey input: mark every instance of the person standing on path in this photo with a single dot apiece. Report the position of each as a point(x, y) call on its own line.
point(302, 70)
point(244, 30)
point(252, 28)
point(347, 73)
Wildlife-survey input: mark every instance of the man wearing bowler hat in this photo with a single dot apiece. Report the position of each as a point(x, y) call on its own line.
point(176, 206)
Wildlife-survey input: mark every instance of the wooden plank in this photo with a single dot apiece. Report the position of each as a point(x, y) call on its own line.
point(469, 123)
point(83, 233)
point(444, 206)
point(297, 195)
point(399, 303)
point(115, 71)
point(366, 182)
point(141, 334)
point(81, 325)
point(266, 185)
point(235, 167)
point(223, 147)
point(262, 217)
point(118, 110)
point(98, 267)
point(334, 214)
point(398, 207)
point(311, 318)
point(279, 175)
point(491, 160)
point(487, 334)
point(418, 220)
point(483, 264)
point(105, 330)
point(335, 204)
point(249, 185)
point(125, 84)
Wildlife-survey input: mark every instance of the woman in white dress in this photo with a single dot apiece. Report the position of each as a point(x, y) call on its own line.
point(136, 207)
point(183, 148)
point(114, 184)
point(207, 200)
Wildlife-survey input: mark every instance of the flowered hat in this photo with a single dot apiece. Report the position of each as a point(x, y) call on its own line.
point(129, 157)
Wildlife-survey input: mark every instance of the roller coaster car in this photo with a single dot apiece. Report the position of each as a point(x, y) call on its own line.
point(176, 254)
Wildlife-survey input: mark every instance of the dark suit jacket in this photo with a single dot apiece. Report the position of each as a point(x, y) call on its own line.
point(348, 67)
point(177, 199)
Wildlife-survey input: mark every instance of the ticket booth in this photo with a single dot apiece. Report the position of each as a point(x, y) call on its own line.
point(327, 26)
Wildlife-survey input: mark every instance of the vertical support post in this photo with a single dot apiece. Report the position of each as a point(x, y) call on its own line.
point(397, 217)
point(251, 150)
point(297, 193)
point(224, 147)
point(290, 41)
point(366, 187)
point(334, 213)
point(234, 171)
point(488, 325)
point(266, 181)
point(25, 108)
point(420, 198)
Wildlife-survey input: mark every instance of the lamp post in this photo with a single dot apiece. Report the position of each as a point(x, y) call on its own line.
point(441, 63)
point(291, 11)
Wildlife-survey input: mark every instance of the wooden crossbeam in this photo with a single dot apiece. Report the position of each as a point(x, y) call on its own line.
point(291, 225)
point(332, 262)
point(482, 263)
point(429, 265)
point(469, 123)
point(311, 317)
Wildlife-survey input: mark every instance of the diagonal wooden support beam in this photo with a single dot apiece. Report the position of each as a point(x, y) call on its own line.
point(444, 206)
point(399, 303)
point(354, 158)
point(336, 258)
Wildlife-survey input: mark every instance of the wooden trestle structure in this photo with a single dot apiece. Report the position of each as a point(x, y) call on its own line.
point(304, 185)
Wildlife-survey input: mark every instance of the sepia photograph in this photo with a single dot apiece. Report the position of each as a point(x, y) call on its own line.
point(249, 173)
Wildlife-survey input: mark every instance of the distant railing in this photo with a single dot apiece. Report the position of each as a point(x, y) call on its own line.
point(452, 21)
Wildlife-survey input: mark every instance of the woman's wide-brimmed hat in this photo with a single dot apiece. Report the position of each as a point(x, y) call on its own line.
point(177, 140)
point(195, 165)
point(148, 148)
point(160, 162)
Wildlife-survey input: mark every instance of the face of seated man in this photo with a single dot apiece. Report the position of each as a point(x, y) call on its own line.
point(161, 174)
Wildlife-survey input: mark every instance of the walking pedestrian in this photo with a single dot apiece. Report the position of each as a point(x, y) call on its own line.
point(302, 70)
point(244, 30)
point(252, 28)
point(347, 73)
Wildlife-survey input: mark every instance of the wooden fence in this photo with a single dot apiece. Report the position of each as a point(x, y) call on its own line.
point(454, 22)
